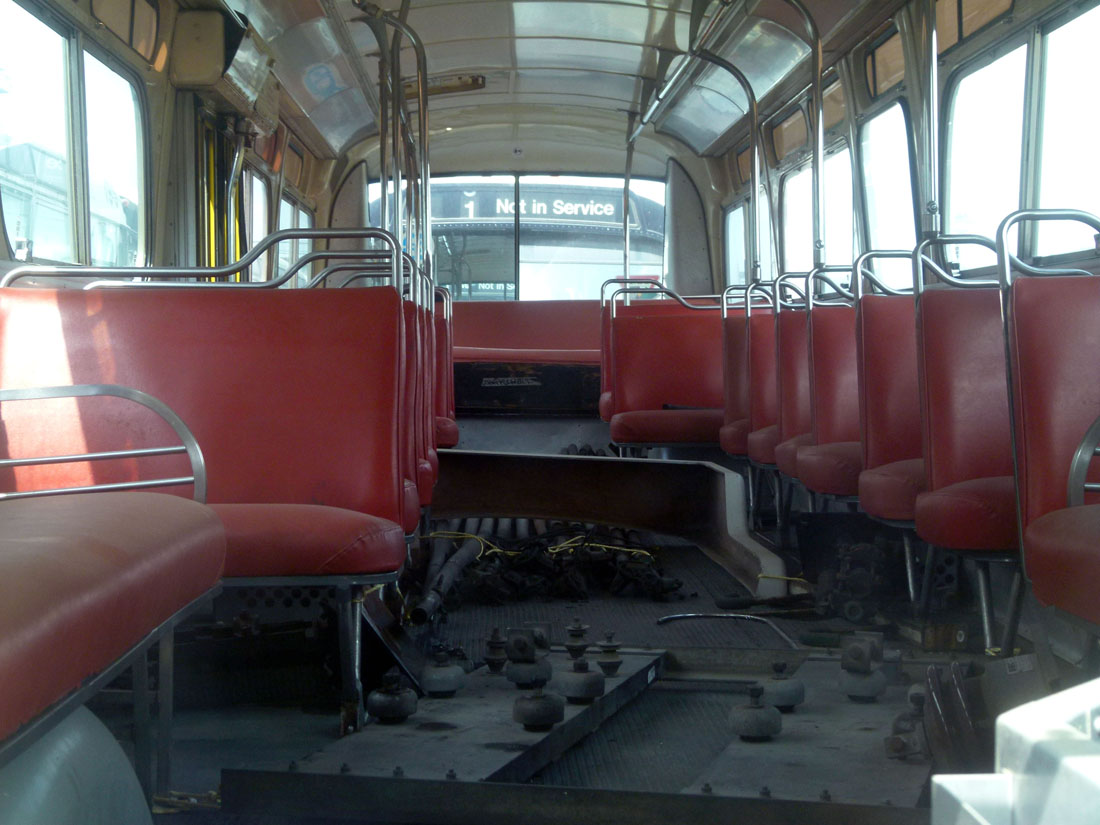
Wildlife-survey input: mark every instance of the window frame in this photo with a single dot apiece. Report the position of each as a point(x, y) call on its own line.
point(76, 43)
point(744, 204)
point(860, 200)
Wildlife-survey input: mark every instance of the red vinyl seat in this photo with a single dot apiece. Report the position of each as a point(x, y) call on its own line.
point(667, 378)
point(889, 407)
point(734, 432)
point(1054, 335)
point(293, 398)
point(446, 432)
point(889, 491)
point(88, 577)
point(763, 403)
point(647, 307)
point(532, 332)
point(966, 441)
point(793, 366)
point(832, 461)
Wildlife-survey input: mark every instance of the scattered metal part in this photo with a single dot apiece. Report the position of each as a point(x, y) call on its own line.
point(442, 679)
point(451, 774)
point(345, 768)
point(766, 792)
point(744, 617)
point(577, 642)
point(293, 766)
point(398, 772)
point(538, 711)
point(495, 657)
point(706, 788)
point(826, 796)
point(609, 659)
point(783, 691)
point(756, 722)
point(391, 703)
point(858, 655)
point(581, 686)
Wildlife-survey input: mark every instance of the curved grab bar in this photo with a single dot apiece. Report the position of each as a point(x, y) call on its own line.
point(820, 274)
point(1005, 261)
point(921, 259)
point(323, 276)
point(751, 293)
point(206, 272)
point(860, 271)
point(760, 289)
point(786, 282)
point(1078, 483)
point(664, 291)
point(628, 281)
point(189, 445)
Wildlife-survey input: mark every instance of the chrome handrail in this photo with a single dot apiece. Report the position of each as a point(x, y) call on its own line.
point(860, 271)
point(1078, 484)
point(820, 274)
point(682, 300)
point(226, 270)
point(786, 282)
point(1006, 261)
point(189, 446)
point(921, 260)
point(628, 281)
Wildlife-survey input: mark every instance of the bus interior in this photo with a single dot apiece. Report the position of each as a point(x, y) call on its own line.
point(592, 411)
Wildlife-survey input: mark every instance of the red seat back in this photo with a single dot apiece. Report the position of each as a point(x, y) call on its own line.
point(963, 386)
point(444, 364)
point(834, 399)
point(527, 325)
point(889, 398)
point(793, 370)
point(735, 343)
point(763, 389)
point(1054, 340)
point(667, 359)
point(292, 395)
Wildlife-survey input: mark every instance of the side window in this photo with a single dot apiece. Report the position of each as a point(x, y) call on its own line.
point(768, 266)
point(1069, 175)
point(293, 216)
point(40, 127)
point(255, 214)
point(986, 123)
point(114, 165)
point(735, 245)
point(798, 250)
point(798, 253)
point(888, 190)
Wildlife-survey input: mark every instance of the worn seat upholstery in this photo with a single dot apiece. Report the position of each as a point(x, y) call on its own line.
point(1053, 340)
point(84, 578)
point(667, 378)
point(793, 371)
point(889, 407)
point(967, 446)
point(293, 398)
point(831, 463)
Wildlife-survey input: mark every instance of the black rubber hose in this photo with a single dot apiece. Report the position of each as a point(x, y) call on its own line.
point(448, 573)
point(439, 554)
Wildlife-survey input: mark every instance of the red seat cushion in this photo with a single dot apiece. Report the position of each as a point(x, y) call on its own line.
point(85, 578)
point(786, 453)
point(890, 491)
point(762, 444)
point(1060, 549)
point(979, 514)
point(734, 437)
point(831, 468)
point(667, 426)
point(307, 540)
point(446, 432)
